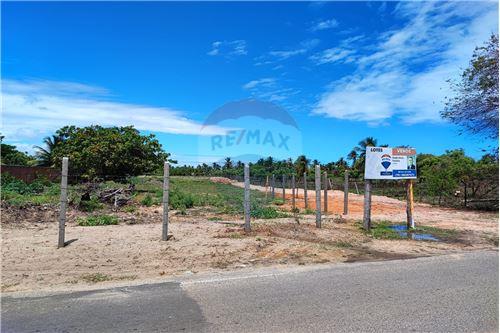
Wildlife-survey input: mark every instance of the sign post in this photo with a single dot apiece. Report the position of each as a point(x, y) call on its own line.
point(410, 223)
point(390, 164)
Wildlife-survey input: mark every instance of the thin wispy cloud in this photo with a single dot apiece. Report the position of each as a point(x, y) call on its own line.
point(324, 25)
point(228, 48)
point(279, 55)
point(32, 109)
point(267, 82)
point(269, 89)
point(405, 75)
point(346, 52)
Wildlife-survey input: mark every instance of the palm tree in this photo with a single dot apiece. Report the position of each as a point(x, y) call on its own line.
point(353, 156)
point(301, 165)
point(45, 156)
point(228, 164)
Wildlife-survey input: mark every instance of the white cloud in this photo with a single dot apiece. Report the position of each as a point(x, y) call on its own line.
point(285, 54)
point(333, 55)
point(33, 109)
point(324, 25)
point(405, 75)
point(260, 82)
point(228, 48)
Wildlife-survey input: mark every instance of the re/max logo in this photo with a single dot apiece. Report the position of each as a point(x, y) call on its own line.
point(233, 138)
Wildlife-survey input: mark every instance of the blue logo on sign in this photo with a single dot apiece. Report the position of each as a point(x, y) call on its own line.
point(386, 161)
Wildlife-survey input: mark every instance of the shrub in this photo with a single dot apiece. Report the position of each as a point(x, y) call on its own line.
point(147, 200)
point(266, 213)
point(90, 205)
point(181, 201)
point(97, 220)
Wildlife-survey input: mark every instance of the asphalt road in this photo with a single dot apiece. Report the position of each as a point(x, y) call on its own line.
point(457, 293)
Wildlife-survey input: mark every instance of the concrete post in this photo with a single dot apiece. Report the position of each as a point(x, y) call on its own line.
point(63, 201)
point(305, 190)
point(325, 189)
point(246, 202)
point(166, 188)
point(367, 222)
point(273, 183)
point(346, 192)
point(283, 180)
point(317, 175)
point(293, 193)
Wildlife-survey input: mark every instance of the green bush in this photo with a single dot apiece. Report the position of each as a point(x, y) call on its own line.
point(181, 201)
point(97, 220)
point(266, 213)
point(90, 205)
point(147, 200)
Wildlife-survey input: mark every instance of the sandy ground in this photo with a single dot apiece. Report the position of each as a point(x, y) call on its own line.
point(204, 241)
point(127, 252)
point(394, 210)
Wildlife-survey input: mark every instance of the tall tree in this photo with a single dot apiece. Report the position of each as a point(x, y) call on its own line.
point(301, 165)
point(46, 156)
point(475, 105)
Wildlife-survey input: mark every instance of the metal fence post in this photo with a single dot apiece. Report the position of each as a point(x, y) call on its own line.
point(305, 190)
point(325, 185)
point(246, 203)
point(317, 175)
point(63, 201)
point(367, 222)
point(166, 188)
point(346, 192)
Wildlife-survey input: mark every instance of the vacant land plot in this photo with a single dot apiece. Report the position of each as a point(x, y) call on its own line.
point(207, 236)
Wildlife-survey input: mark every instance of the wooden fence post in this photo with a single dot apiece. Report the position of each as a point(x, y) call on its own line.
point(367, 222)
point(346, 192)
point(325, 185)
point(63, 201)
point(410, 223)
point(246, 202)
point(305, 190)
point(317, 175)
point(166, 188)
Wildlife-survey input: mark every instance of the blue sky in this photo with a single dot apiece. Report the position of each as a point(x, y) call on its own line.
point(343, 70)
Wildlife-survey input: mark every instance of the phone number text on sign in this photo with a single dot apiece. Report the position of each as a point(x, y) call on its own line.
point(390, 163)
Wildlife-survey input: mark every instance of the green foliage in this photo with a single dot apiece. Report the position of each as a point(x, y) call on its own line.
point(90, 205)
point(96, 151)
point(97, 220)
point(18, 193)
point(147, 200)
point(180, 200)
point(9, 155)
point(266, 213)
point(95, 277)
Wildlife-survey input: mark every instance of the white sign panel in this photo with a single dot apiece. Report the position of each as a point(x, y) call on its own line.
point(390, 163)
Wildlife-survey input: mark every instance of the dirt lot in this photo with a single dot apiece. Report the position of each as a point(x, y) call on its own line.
point(390, 209)
point(202, 241)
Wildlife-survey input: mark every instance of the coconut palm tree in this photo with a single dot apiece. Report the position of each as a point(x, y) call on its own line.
point(301, 164)
point(45, 156)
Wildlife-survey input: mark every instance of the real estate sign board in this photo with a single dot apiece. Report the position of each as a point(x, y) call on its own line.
point(390, 163)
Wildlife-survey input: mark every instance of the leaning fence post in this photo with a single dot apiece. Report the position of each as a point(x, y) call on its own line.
point(317, 175)
point(305, 190)
point(325, 185)
point(273, 182)
point(367, 222)
point(166, 187)
point(293, 194)
point(346, 192)
point(246, 203)
point(64, 201)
